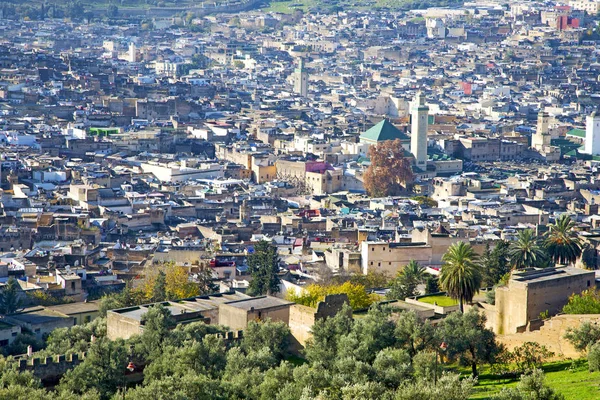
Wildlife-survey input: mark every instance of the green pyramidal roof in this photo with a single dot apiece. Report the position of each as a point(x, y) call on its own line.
point(384, 130)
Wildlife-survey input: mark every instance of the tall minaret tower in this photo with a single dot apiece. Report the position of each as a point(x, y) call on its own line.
point(301, 79)
point(542, 136)
point(418, 135)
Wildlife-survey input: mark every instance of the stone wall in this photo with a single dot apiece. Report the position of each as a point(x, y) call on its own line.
point(50, 369)
point(119, 326)
point(551, 335)
point(302, 318)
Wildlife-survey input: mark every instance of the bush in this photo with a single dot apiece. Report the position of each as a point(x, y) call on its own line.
point(586, 335)
point(313, 294)
point(588, 302)
point(531, 386)
point(594, 357)
point(530, 355)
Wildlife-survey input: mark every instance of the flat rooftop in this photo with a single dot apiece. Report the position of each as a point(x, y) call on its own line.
point(259, 303)
point(548, 274)
point(192, 304)
point(37, 315)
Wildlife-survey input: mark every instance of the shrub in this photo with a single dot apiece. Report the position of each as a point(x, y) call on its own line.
point(594, 357)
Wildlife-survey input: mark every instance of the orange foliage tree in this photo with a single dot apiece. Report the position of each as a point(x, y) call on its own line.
point(390, 172)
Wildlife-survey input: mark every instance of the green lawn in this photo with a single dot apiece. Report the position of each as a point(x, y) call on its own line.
point(439, 299)
point(284, 6)
point(571, 379)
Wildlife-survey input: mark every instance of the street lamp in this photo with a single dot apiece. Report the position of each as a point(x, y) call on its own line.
point(443, 347)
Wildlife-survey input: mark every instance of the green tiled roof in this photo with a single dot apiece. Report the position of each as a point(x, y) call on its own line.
point(384, 130)
point(577, 132)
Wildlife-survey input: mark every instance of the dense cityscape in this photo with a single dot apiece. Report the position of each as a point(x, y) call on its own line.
point(300, 200)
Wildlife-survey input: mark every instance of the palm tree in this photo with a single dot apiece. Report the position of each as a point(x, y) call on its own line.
point(406, 282)
point(562, 242)
point(526, 251)
point(414, 272)
point(461, 274)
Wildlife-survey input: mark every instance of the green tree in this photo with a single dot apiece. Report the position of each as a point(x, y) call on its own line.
point(588, 302)
point(468, 340)
point(526, 251)
point(322, 348)
point(9, 297)
point(76, 339)
point(273, 335)
point(263, 266)
point(431, 284)
point(584, 335)
point(368, 336)
point(448, 387)
point(406, 282)
point(594, 357)
point(157, 322)
point(495, 263)
point(461, 275)
point(562, 243)
point(206, 281)
point(159, 290)
point(103, 369)
point(412, 334)
point(530, 355)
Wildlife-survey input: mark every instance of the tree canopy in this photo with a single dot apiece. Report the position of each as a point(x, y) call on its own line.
point(390, 171)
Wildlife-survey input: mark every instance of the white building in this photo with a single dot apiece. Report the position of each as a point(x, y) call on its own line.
point(592, 134)
point(418, 135)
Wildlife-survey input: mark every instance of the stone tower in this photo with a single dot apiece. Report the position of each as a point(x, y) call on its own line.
point(301, 79)
point(418, 135)
point(542, 136)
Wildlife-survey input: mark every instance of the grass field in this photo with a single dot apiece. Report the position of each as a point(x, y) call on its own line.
point(439, 299)
point(572, 379)
point(284, 6)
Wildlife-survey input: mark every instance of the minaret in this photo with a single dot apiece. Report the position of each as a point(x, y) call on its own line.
point(542, 137)
point(418, 135)
point(301, 79)
point(592, 134)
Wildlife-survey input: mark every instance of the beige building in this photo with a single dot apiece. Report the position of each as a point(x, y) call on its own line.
point(426, 247)
point(533, 292)
point(236, 314)
point(126, 322)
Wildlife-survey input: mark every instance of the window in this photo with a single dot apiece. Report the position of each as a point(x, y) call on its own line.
point(37, 330)
point(384, 249)
point(372, 248)
point(88, 318)
point(4, 342)
point(14, 334)
point(72, 285)
point(379, 264)
point(371, 262)
point(588, 283)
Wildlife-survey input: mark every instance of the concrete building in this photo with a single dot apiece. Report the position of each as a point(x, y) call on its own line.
point(592, 134)
point(426, 247)
point(40, 320)
point(532, 292)
point(126, 322)
point(418, 135)
point(236, 314)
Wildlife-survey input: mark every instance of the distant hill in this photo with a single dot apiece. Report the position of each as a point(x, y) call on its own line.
point(330, 6)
